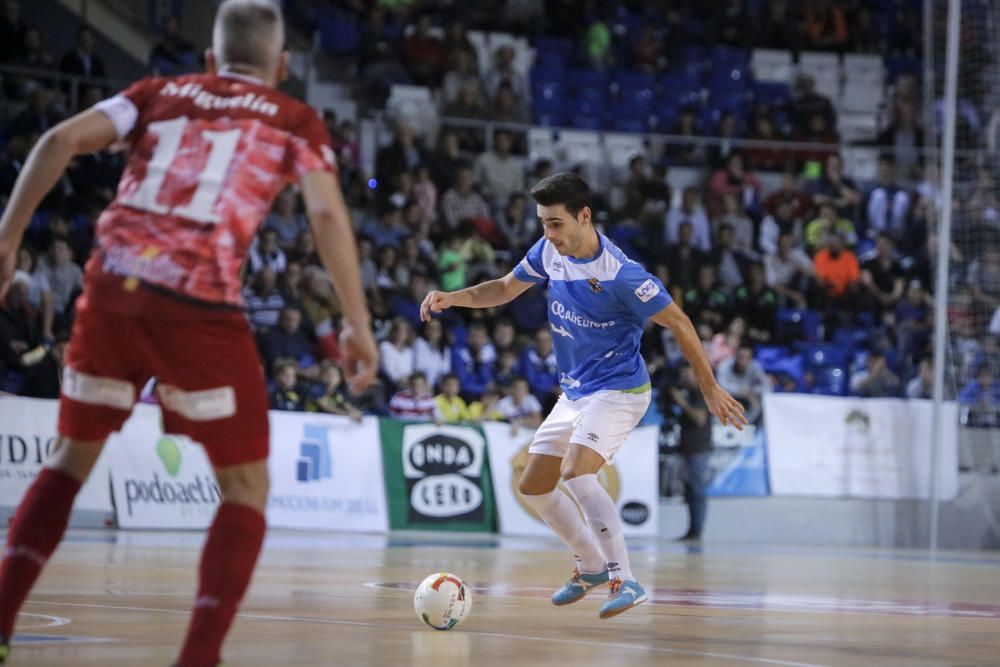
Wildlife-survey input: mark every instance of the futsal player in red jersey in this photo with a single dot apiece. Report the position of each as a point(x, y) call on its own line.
point(207, 155)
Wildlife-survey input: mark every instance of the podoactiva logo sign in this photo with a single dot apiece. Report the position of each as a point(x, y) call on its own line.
point(443, 471)
point(171, 484)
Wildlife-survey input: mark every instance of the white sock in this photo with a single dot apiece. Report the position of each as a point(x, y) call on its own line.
point(602, 517)
point(563, 517)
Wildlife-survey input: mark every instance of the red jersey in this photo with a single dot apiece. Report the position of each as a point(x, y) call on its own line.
point(208, 154)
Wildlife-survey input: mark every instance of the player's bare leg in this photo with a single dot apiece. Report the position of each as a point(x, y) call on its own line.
point(39, 525)
point(227, 560)
point(538, 488)
point(579, 470)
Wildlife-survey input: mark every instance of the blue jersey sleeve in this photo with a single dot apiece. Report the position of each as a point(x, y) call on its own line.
point(530, 269)
point(640, 291)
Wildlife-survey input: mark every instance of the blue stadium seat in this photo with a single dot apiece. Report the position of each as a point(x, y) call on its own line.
point(798, 324)
point(627, 79)
point(683, 80)
point(830, 381)
point(339, 34)
point(587, 121)
point(728, 55)
point(771, 355)
point(552, 118)
point(822, 355)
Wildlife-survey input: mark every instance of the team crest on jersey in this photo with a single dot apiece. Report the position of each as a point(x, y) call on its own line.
point(595, 285)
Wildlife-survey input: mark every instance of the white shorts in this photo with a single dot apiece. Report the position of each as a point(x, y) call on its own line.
point(601, 421)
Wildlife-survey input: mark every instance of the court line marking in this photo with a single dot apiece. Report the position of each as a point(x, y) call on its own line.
point(54, 621)
point(498, 635)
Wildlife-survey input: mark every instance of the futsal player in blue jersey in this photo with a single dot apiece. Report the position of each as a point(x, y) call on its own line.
point(598, 301)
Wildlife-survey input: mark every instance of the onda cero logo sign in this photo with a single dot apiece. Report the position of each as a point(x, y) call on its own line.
point(443, 471)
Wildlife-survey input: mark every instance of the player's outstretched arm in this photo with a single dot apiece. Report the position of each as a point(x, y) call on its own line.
point(484, 295)
point(720, 403)
point(335, 242)
point(84, 133)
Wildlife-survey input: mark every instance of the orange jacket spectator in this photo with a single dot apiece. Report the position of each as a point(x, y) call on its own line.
point(837, 267)
point(826, 24)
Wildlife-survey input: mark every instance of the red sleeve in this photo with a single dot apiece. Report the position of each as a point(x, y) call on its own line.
point(141, 93)
point(311, 148)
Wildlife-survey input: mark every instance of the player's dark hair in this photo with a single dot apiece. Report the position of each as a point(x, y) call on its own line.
point(564, 188)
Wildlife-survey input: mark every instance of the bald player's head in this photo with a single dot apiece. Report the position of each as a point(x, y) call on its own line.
point(249, 36)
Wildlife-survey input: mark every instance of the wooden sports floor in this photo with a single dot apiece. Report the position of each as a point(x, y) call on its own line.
point(121, 598)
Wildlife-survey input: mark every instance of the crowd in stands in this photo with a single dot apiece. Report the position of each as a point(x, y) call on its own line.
point(821, 285)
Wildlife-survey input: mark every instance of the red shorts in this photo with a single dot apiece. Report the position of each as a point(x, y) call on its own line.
point(209, 379)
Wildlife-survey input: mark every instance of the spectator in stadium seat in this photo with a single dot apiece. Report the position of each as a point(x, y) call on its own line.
point(475, 252)
point(519, 407)
point(39, 291)
point(597, 42)
point(914, 323)
point(286, 341)
point(463, 72)
point(288, 394)
point(20, 327)
point(43, 379)
point(63, 275)
point(807, 102)
point(730, 261)
point(649, 55)
point(984, 278)
point(684, 260)
point(414, 401)
point(386, 278)
point(695, 448)
point(778, 27)
point(734, 179)
point(922, 386)
point(263, 301)
point(829, 223)
point(838, 271)
point(33, 54)
point(726, 132)
point(396, 352)
point(456, 39)
point(789, 191)
point(378, 58)
point(265, 252)
point(981, 398)
point(904, 137)
point(883, 277)
point(285, 220)
point(729, 24)
point(504, 73)
point(766, 157)
point(173, 55)
point(405, 154)
point(485, 409)
point(424, 54)
point(320, 307)
point(451, 268)
point(681, 151)
point(725, 344)
point(506, 108)
point(290, 282)
point(498, 173)
point(818, 131)
point(387, 229)
point(707, 303)
point(734, 215)
point(82, 60)
point(39, 116)
point(461, 201)
point(451, 407)
point(825, 25)
point(777, 224)
point(888, 206)
point(406, 303)
point(538, 363)
point(691, 212)
point(877, 380)
point(335, 400)
point(757, 304)
point(789, 272)
point(12, 30)
point(743, 377)
point(836, 189)
point(431, 352)
point(369, 272)
point(518, 225)
point(11, 163)
point(506, 369)
point(473, 362)
point(446, 159)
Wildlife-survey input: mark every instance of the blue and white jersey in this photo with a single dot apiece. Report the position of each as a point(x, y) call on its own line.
point(596, 311)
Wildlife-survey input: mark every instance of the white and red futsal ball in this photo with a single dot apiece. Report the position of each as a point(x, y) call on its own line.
point(442, 601)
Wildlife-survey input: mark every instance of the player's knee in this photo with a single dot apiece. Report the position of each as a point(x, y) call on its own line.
point(75, 458)
point(245, 484)
point(529, 487)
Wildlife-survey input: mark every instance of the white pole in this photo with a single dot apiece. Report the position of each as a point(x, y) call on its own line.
point(943, 257)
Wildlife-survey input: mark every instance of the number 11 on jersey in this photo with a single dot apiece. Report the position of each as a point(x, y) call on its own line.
point(169, 134)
